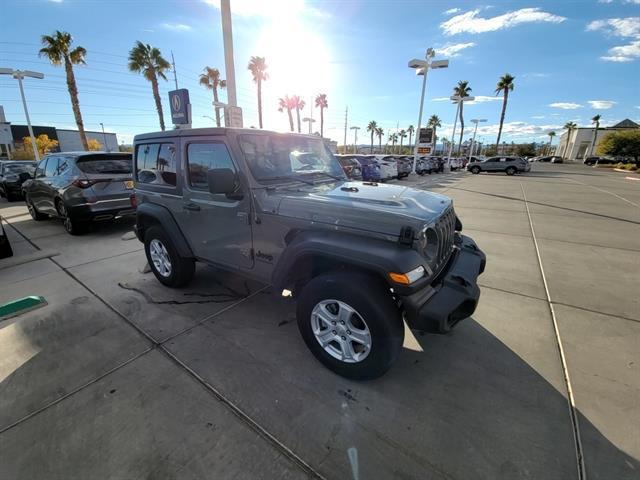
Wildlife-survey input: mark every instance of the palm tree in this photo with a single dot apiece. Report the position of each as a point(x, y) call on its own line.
point(321, 102)
point(394, 139)
point(434, 122)
point(461, 90)
point(298, 104)
point(57, 48)
point(287, 104)
point(569, 127)
point(211, 80)
point(258, 68)
point(551, 135)
point(145, 59)
point(411, 129)
point(372, 127)
point(379, 133)
point(402, 134)
point(595, 120)
point(505, 85)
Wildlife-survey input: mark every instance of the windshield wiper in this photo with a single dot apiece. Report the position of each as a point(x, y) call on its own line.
point(335, 177)
point(289, 177)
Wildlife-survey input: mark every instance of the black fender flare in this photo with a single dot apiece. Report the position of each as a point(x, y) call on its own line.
point(370, 254)
point(148, 214)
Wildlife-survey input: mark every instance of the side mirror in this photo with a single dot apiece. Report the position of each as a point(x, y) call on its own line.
point(221, 180)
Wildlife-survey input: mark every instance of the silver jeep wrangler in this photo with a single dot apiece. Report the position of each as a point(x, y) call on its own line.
point(357, 257)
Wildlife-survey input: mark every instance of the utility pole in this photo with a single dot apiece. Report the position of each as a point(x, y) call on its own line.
point(227, 39)
point(175, 74)
point(346, 115)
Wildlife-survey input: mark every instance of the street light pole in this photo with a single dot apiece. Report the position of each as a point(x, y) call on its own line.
point(227, 39)
point(104, 137)
point(355, 139)
point(20, 75)
point(458, 100)
point(475, 130)
point(423, 67)
point(310, 121)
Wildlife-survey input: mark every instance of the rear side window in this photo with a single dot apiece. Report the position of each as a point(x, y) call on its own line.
point(105, 164)
point(156, 164)
point(52, 167)
point(206, 156)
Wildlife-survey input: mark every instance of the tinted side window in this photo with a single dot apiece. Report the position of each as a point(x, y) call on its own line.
point(63, 164)
point(156, 164)
point(206, 156)
point(40, 168)
point(52, 167)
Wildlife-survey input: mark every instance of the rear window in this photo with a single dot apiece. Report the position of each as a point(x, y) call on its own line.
point(156, 164)
point(108, 164)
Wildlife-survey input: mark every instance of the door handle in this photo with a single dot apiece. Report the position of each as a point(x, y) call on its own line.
point(191, 206)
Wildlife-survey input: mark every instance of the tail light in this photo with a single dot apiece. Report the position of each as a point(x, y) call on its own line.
point(83, 183)
point(133, 200)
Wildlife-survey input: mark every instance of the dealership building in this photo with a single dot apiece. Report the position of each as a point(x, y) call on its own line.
point(575, 144)
point(11, 136)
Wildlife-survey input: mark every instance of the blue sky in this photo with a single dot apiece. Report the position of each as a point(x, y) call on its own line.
point(571, 59)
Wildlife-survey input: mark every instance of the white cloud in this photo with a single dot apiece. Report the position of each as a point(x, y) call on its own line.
point(623, 53)
point(622, 27)
point(176, 27)
point(484, 99)
point(470, 22)
point(535, 75)
point(272, 8)
point(55, 1)
point(538, 117)
point(635, 2)
point(565, 105)
point(601, 104)
point(453, 49)
point(605, 1)
point(451, 11)
point(440, 99)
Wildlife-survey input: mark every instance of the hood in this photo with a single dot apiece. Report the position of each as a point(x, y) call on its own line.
point(379, 208)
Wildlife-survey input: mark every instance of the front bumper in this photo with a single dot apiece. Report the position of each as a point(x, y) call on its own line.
point(453, 296)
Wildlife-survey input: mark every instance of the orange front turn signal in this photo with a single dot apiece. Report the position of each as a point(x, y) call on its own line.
point(400, 278)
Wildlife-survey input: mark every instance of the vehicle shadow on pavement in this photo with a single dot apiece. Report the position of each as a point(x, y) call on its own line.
point(465, 406)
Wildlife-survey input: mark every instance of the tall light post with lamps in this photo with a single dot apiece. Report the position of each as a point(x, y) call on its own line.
point(20, 75)
point(422, 68)
point(310, 120)
point(458, 101)
point(475, 130)
point(355, 139)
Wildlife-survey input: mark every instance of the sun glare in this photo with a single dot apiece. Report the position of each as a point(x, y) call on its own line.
point(298, 60)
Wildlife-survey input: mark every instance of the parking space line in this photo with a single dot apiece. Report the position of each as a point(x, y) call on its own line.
point(573, 414)
point(606, 191)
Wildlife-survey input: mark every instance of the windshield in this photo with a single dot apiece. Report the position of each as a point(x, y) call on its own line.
point(273, 157)
point(19, 167)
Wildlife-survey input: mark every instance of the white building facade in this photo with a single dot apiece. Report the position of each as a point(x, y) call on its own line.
point(576, 144)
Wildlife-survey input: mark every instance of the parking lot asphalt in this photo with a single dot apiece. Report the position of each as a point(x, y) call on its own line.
point(119, 377)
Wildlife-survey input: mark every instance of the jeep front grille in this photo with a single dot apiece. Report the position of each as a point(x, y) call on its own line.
point(445, 229)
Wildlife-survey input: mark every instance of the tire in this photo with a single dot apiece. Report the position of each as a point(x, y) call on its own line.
point(35, 214)
point(475, 170)
point(71, 225)
point(510, 171)
point(373, 308)
point(158, 246)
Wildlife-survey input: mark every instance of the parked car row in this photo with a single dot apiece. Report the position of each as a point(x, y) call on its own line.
point(12, 175)
point(506, 164)
point(380, 168)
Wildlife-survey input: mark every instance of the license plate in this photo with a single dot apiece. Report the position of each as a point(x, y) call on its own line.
point(128, 184)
